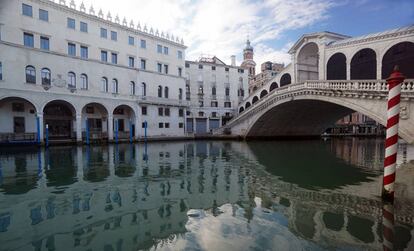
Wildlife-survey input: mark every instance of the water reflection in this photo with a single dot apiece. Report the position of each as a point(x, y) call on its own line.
point(194, 195)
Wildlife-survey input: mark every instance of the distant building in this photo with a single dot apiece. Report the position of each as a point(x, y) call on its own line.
point(356, 124)
point(268, 71)
point(214, 90)
point(248, 62)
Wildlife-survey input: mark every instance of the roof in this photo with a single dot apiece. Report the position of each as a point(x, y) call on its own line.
point(372, 35)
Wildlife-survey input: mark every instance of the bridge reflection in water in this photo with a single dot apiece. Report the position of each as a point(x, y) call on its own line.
point(196, 195)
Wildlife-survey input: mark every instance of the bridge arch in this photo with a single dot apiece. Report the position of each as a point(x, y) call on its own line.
point(273, 86)
point(255, 99)
point(336, 67)
point(241, 109)
point(263, 93)
point(247, 105)
point(308, 62)
point(364, 64)
point(401, 54)
point(286, 79)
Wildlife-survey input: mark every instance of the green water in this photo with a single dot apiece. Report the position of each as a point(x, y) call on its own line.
point(199, 195)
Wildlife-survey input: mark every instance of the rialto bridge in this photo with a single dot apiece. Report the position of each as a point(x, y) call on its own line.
point(331, 75)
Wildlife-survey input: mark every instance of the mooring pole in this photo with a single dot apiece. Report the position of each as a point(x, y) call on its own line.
point(38, 129)
point(116, 131)
point(391, 141)
point(130, 131)
point(87, 131)
point(47, 135)
point(145, 130)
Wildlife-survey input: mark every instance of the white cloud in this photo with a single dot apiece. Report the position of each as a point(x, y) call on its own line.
point(220, 28)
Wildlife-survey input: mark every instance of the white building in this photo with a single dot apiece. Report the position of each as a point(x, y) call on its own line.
point(78, 70)
point(214, 90)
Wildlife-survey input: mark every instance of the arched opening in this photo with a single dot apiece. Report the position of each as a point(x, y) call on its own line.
point(255, 99)
point(285, 79)
point(336, 67)
point(247, 105)
point(263, 93)
point(364, 64)
point(59, 116)
point(273, 86)
point(95, 121)
point(18, 120)
point(124, 121)
point(401, 54)
point(308, 62)
point(241, 110)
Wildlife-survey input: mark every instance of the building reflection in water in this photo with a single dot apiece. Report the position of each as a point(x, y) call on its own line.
point(143, 196)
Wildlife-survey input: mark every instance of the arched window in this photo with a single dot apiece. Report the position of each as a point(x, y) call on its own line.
point(160, 91)
point(84, 81)
point(166, 92)
point(30, 74)
point(132, 88)
point(143, 89)
point(45, 74)
point(71, 80)
point(114, 85)
point(180, 94)
point(104, 84)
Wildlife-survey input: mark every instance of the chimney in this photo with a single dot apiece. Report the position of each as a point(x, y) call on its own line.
point(233, 60)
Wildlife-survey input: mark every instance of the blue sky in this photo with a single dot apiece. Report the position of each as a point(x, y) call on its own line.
point(220, 27)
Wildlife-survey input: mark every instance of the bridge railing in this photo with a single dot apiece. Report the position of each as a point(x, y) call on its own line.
point(364, 86)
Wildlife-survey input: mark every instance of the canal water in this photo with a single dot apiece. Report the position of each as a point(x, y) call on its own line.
point(202, 195)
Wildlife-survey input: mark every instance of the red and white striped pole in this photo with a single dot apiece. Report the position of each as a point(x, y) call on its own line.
point(391, 142)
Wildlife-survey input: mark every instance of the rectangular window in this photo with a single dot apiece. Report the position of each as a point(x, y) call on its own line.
point(180, 125)
point(159, 48)
point(213, 68)
point(114, 36)
point(213, 103)
point(104, 33)
point(144, 110)
point(227, 104)
point(166, 69)
point(18, 125)
point(131, 40)
point(83, 27)
point(160, 111)
point(226, 69)
point(181, 112)
point(44, 43)
point(165, 50)
point(143, 44)
point(43, 15)
point(71, 23)
point(84, 52)
point(143, 64)
point(27, 10)
point(28, 40)
point(1, 71)
point(180, 72)
point(71, 49)
point(180, 54)
point(187, 65)
point(131, 62)
point(200, 66)
point(167, 112)
point(159, 68)
point(114, 58)
point(227, 91)
point(160, 125)
point(104, 56)
point(167, 125)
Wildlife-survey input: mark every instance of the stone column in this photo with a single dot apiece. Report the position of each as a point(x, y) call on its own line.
point(41, 126)
point(379, 68)
point(110, 127)
point(348, 69)
point(79, 127)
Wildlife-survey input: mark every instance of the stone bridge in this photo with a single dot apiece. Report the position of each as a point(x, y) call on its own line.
point(309, 108)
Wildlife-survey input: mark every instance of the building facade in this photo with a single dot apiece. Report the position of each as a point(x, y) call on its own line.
point(214, 90)
point(77, 74)
point(268, 71)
